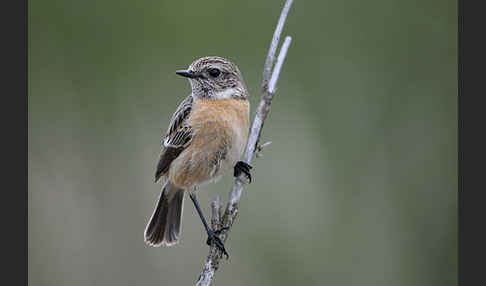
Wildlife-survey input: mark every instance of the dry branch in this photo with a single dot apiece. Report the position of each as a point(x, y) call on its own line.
point(269, 82)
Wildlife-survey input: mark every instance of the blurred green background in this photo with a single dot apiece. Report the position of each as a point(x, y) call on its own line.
point(358, 188)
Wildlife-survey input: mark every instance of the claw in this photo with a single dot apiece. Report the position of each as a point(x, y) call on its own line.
point(242, 167)
point(221, 230)
point(212, 237)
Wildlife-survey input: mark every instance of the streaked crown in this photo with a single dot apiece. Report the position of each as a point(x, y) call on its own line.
point(215, 77)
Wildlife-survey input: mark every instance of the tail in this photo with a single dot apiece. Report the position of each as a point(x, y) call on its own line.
point(165, 224)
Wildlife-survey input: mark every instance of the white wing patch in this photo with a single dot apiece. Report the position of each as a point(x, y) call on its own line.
point(180, 138)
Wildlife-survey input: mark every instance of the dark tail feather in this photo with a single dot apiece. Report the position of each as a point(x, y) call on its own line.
point(165, 224)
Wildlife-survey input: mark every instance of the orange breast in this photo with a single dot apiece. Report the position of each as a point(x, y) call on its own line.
point(215, 123)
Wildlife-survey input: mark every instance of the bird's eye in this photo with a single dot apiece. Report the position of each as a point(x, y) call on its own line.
point(214, 72)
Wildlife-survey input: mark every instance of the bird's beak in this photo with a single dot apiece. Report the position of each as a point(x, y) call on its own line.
point(187, 73)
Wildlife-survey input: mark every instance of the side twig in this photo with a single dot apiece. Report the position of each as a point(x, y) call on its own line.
point(269, 82)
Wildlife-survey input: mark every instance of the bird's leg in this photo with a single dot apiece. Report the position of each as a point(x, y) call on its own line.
point(242, 167)
point(212, 235)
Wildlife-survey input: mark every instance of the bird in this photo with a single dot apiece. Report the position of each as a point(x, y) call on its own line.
point(206, 137)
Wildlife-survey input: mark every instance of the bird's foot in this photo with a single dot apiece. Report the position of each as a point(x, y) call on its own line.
point(242, 167)
point(213, 237)
point(219, 231)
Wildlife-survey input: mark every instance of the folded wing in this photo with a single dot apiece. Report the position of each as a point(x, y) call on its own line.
point(178, 137)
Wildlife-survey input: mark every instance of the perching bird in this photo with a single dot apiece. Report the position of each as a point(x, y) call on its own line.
point(206, 137)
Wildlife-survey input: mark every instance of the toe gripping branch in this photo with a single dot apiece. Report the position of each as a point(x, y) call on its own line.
point(213, 237)
point(212, 234)
point(242, 167)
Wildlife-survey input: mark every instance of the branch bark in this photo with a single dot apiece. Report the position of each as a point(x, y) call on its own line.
point(269, 82)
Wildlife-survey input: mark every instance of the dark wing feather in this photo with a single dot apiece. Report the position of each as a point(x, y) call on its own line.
point(178, 137)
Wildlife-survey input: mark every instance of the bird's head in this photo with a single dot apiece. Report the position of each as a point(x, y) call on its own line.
point(215, 77)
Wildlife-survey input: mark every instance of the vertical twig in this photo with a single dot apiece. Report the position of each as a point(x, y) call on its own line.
point(269, 82)
point(267, 68)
